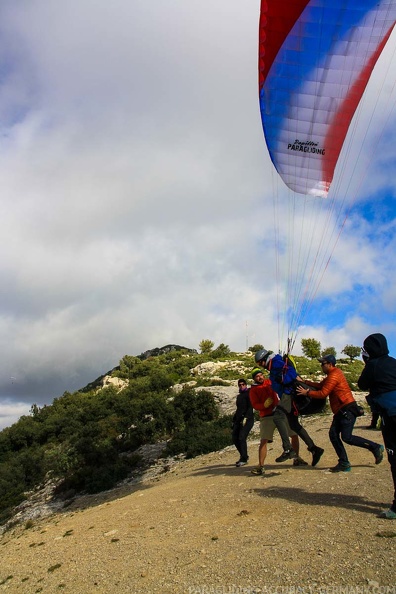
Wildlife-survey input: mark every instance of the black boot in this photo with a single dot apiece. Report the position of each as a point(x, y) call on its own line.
point(317, 453)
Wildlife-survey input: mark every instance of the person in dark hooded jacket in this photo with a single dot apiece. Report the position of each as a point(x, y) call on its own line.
point(379, 377)
point(242, 422)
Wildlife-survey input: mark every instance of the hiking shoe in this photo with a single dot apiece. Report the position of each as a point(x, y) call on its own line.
point(259, 470)
point(341, 468)
point(389, 514)
point(299, 462)
point(241, 463)
point(317, 453)
point(379, 454)
point(286, 455)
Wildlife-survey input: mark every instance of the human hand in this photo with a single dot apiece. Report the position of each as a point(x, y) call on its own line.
point(302, 391)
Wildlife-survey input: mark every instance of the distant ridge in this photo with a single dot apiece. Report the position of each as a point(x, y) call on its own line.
point(98, 382)
point(164, 350)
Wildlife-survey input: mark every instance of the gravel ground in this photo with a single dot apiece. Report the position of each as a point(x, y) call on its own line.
point(207, 526)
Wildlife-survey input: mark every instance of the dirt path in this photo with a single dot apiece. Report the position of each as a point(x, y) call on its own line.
point(207, 526)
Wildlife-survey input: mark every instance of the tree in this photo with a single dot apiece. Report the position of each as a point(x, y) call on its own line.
point(223, 350)
point(129, 366)
point(206, 346)
point(310, 348)
point(329, 351)
point(255, 348)
point(351, 351)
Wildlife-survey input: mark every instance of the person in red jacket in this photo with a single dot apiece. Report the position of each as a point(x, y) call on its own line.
point(264, 399)
point(344, 408)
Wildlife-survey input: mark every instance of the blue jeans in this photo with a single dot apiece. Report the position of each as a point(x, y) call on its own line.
point(341, 431)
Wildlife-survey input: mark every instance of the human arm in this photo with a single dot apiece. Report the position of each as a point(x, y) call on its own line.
point(322, 389)
point(260, 395)
point(364, 382)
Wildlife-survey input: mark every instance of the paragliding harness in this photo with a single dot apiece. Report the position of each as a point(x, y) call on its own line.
point(299, 403)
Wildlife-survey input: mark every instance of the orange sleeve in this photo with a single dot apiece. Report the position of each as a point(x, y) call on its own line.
point(325, 387)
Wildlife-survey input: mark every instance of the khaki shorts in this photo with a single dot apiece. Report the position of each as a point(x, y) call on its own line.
point(267, 428)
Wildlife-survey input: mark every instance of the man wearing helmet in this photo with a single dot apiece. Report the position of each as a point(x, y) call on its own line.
point(283, 375)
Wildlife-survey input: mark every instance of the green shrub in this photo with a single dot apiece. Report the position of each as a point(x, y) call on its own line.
point(197, 405)
point(200, 437)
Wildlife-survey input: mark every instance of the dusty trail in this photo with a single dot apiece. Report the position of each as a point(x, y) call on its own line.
point(207, 526)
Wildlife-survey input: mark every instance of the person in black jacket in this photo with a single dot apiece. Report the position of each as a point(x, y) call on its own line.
point(379, 377)
point(242, 422)
point(375, 416)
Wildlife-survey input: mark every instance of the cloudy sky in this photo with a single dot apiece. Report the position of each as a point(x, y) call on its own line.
point(137, 195)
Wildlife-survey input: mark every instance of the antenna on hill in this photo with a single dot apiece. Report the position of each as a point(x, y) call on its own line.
point(247, 336)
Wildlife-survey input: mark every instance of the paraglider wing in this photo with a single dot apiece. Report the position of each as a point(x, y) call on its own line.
point(315, 60)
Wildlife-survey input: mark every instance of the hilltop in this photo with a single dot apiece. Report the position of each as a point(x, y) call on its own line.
point(97, 437)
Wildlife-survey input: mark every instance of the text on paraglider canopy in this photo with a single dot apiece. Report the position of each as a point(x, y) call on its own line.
point(305, 147)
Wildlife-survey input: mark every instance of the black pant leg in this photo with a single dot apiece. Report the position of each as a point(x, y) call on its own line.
point(296, 426)
point(388, 427)
point(235, 437)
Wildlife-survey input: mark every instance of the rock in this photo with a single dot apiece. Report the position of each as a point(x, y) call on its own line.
point(117, 382)
point(179, 387)
point(211, 367)
point(225, 397)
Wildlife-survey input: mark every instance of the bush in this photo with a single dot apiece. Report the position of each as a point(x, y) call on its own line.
point(200, 437)
point(94, 479)
point(199, 406)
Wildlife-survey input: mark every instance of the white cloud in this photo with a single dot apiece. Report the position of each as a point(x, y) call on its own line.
point(11, 411)
point(137, 194)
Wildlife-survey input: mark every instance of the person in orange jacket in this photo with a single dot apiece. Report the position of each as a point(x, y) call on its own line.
point(345, 411)
point(265, 399)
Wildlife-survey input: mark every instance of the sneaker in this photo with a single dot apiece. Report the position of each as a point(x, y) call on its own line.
point(299, 462)
point(316, 455)
point(389, 514)
point(341, 468)
point(287, 455)
point(258, 470)
point(379, 454)
point(241, 463)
